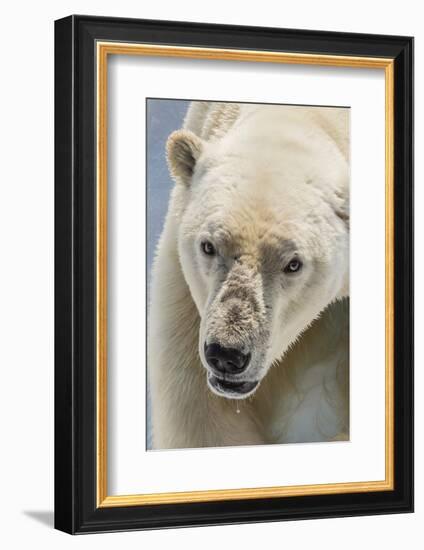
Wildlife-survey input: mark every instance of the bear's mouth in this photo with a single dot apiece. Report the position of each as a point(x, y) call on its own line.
point(230, 389)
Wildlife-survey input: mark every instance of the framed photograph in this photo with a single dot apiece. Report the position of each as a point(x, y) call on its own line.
point(234, 274)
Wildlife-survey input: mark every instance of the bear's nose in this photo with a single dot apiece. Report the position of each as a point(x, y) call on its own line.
point(226, 360)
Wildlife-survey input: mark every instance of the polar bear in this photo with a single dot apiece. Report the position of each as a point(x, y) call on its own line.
point(248, 333)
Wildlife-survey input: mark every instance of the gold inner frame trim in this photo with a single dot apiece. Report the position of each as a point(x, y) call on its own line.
point(103, 50)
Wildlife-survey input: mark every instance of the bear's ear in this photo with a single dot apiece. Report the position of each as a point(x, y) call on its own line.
point(342, 211)
point(183, 149)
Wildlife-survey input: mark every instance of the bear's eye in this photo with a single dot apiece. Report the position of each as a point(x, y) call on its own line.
point(207, 248)
point(293, 266)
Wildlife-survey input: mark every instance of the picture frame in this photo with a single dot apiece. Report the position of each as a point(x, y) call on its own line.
point(83, 46)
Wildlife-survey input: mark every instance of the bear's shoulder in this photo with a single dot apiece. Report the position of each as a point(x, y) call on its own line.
point(211, 120)
point(335, 122)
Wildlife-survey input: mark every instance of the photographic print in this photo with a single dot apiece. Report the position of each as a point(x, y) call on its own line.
point(233, 274)
point(248, 273)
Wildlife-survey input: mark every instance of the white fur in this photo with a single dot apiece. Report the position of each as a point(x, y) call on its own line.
point(261, 176)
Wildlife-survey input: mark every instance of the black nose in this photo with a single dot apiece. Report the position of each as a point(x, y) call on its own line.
point(226, 360)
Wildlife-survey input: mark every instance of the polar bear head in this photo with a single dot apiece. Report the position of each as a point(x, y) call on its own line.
point(263, 238)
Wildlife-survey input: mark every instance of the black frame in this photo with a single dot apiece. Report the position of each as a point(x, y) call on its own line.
point(75, 274)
